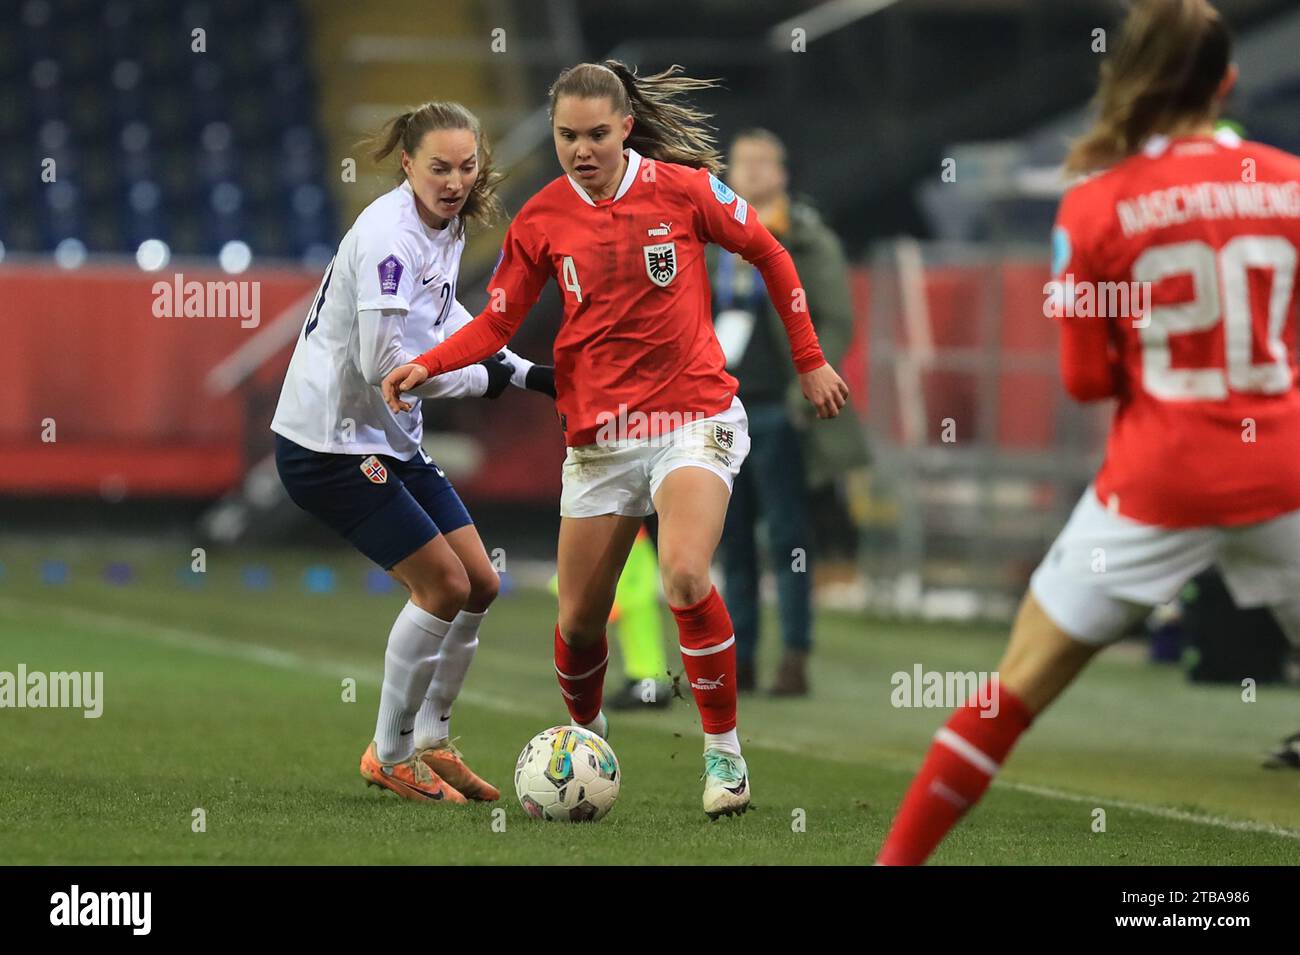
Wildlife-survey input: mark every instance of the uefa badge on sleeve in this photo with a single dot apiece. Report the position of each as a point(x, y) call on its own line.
point(390, 275)
point(661, 262)
point(374, 470)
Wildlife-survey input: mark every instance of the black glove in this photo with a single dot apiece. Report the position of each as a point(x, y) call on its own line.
point(499, 373)
point(541, 378)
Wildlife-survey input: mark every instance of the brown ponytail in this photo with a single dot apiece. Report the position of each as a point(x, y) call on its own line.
point(1171, 58)
point(406, 130)
point(663, 127)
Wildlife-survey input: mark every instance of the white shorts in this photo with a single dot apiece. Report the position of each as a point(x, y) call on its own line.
point(622, 478)
point(1104, 571)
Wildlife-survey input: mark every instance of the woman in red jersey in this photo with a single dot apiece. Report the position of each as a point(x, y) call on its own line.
point(1201, 465)
point(649, 414)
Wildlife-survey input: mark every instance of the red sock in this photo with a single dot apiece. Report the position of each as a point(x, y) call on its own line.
point(581, 671)
point(961, 763)
point(708, 644)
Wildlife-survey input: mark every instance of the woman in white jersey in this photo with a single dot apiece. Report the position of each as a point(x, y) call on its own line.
point(388, 295)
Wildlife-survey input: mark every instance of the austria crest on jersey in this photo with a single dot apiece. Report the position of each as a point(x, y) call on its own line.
point(374, 470)
point(661, 262)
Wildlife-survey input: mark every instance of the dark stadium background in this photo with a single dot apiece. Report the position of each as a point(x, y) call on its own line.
point(928, 133)
point(241, 148)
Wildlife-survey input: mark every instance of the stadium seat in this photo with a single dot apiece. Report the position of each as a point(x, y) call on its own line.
point(145, 131)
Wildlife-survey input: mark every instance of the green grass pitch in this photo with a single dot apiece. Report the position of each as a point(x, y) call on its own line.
point(231, 701)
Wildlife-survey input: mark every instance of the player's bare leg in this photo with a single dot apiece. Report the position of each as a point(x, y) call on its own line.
point(592, 552)
point(591, 555)
point(484, 583)
point(435, 578)
point(433, 742)
point(1040, 661)
point(692, 506)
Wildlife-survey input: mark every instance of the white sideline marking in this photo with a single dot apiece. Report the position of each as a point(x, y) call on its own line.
point(1164, 812)
point(196, 640)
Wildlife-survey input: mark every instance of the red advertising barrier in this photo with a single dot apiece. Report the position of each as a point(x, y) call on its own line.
point(958, 300)
point(102, 380)
point(102, 393)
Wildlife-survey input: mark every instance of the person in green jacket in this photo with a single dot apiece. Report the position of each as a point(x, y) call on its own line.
point(787, 457)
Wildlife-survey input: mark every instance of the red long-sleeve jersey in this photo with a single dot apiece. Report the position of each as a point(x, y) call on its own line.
point(637, 333)
point(1175, 284)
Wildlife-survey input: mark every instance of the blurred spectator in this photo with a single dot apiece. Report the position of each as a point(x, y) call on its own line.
point(787, 456)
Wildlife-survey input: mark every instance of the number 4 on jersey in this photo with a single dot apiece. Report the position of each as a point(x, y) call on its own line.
point(571, 277)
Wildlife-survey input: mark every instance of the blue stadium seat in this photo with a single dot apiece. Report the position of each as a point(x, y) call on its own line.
point(145, 132)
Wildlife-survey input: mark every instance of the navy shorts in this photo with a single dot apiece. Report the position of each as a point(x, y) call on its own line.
point(387, 508)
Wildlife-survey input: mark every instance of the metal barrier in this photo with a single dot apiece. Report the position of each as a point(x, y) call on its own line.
point(979, 454)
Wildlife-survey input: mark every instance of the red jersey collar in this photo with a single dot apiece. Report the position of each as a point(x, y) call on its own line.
point(633, 163)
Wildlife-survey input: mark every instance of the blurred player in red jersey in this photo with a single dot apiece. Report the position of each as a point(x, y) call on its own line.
point(1201, 465)
point(649, 414)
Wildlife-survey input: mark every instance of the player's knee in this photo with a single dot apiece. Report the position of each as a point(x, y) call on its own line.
point(483, 589)
point(455, 585)
point(443, 591)
point(581, 629)
point(685, 583)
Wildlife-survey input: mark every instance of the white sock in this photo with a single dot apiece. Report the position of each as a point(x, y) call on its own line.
point(433, 722)
point(409, 664)
point(727, 742)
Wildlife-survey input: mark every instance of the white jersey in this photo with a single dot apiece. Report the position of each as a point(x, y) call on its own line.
point(388, 295)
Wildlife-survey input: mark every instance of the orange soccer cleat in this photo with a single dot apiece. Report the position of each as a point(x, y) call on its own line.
point(410, 779)
point(445, 760)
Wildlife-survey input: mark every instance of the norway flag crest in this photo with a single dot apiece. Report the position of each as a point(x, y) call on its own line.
point(374, 470)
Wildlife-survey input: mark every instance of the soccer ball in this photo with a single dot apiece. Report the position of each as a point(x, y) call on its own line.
point(567, 774)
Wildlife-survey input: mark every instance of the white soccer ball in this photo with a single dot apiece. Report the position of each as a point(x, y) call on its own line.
point(567, 774)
